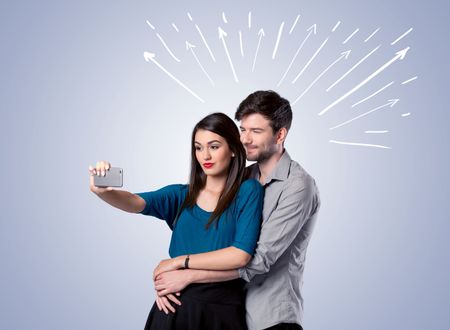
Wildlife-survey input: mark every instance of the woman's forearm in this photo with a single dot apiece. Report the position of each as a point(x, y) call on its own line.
point(123, 200)
point(223, 259)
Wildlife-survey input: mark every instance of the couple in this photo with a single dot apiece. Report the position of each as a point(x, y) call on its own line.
point(232, 225)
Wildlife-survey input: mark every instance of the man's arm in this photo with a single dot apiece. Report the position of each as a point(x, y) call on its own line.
point(177, 280)
point(298, 201)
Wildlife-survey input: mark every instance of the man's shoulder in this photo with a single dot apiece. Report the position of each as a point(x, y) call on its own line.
point(300, 186)
point(298, 177)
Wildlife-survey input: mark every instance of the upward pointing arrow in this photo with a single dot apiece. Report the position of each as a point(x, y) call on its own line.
point(390, 104)
point(344, 55)
point(400, 55)
point(191, 47)
point(260, 34)
point(311, 29)
point(151, 57)
point(222, 35)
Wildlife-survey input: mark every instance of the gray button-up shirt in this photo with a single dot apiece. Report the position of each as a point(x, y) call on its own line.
point(275, 273)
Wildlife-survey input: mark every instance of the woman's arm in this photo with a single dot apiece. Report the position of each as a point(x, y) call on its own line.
point(175, 281)
point(120, 199)
point(223, 259)
point(123, 200)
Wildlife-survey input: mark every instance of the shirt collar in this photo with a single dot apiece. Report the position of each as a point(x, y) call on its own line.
point(280, 172)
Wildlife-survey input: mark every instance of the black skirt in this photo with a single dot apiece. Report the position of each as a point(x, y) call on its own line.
point(209, 306)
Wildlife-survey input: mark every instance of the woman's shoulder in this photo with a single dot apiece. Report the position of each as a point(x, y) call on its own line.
point(250, 185)
point(176, 188)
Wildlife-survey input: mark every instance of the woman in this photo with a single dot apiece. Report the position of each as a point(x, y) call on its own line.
point(219, 209)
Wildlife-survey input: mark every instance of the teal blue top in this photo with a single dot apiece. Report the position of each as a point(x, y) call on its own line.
point(238, 226)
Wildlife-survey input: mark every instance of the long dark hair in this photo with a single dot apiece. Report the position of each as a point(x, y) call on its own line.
point(224, 126)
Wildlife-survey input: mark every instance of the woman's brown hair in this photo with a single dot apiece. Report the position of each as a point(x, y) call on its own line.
point(224, 126)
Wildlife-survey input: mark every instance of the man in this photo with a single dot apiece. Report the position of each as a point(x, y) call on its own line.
point(291, 203)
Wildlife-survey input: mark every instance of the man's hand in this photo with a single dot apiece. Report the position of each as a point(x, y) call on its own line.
point(167, 265)
point(164, 304)
point(172, 281)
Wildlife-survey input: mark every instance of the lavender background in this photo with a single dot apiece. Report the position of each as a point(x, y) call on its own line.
point(76, 89)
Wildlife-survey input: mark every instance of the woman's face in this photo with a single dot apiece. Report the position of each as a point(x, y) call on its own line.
point(212, 153)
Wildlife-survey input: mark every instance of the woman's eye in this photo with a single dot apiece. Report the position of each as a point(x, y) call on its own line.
point(198, 148)
point(214, 147)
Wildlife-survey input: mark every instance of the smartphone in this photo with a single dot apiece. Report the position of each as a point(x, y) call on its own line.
point(113, 178)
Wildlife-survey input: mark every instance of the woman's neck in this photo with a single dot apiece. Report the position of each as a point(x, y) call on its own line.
point(215, 183)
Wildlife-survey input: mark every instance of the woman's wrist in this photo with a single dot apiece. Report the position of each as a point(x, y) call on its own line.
point(179, 261)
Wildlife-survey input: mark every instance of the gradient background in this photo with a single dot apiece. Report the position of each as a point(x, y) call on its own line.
point(75, 89)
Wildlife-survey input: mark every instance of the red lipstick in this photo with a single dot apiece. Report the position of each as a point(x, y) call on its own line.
point(208, 165)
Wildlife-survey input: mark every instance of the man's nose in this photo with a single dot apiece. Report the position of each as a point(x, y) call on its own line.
point(245, 138)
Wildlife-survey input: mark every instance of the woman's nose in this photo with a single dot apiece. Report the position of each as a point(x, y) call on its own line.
point(206, 154)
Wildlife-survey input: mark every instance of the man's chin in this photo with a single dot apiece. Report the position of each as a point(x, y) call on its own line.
point(252, 158)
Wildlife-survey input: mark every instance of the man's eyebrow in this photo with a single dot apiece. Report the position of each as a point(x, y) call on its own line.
point(253, 128)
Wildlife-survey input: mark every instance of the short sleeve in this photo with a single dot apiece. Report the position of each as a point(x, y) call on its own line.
point(165, 202)
point(248, 213)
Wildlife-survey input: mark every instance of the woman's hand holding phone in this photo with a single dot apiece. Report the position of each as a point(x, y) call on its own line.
point(99, 170)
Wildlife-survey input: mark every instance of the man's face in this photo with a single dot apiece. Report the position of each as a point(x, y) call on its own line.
point(258, 137)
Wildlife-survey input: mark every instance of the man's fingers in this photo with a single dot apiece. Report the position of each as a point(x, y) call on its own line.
point(171, 297)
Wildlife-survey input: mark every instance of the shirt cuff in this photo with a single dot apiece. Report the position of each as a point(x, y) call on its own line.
point(243, 274)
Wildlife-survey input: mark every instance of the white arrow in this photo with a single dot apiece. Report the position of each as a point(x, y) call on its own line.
point(400, 55)
point(280, 32)
point(260, 34)
point(390, 103)
point(373, 94)
point(343, 55)
point(311, 29)
point(222, 35)
point(293, 25)
point(310, 60)
point(350, 36)
point(206, 44)
point(241, 43)
point(360, 144)
point(191, 47)
point(336, 26)
point(151, 57)
point(353, 68)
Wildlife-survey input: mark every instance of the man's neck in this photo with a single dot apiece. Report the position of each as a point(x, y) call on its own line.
point(267, 166)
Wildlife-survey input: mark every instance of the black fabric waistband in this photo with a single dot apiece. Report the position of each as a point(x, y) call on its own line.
point(227, 293)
